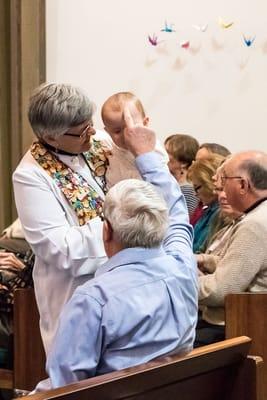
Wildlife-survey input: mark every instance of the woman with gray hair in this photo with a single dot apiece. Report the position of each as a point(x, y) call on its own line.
point(59, 191)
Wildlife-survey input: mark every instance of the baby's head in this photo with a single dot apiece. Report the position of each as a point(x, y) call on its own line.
point(112, 115)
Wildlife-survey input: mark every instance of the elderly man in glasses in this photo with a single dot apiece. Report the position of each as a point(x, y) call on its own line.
point(243, 264)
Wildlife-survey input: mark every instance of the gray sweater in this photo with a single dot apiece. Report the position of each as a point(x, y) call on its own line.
point(242, 266)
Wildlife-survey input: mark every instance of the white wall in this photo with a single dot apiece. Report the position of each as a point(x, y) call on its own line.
point(216, 91)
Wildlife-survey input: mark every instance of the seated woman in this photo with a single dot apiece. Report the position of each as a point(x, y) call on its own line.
point(208, 331)
point(182, 151)
point(207, 262)
point(201, 173)
point(16, 263)
point(206, 150)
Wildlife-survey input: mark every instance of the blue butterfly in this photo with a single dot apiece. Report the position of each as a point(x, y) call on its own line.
point(248, 40)
point(168, 28)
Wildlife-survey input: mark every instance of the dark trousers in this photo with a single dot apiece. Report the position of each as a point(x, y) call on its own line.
point(207, 333)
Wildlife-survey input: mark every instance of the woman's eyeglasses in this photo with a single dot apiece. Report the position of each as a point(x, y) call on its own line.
point(84, 131)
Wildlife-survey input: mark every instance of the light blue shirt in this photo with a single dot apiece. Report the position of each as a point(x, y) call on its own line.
point(141, 304)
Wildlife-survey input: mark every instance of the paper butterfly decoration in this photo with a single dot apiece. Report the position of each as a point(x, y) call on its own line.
point(248, 40)
point(225, 25)
point(185, 44)
point(167, 27)
point(153, 40)
point(201, 28)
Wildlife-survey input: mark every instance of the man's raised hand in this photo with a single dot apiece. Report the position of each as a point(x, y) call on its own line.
point(138, 138)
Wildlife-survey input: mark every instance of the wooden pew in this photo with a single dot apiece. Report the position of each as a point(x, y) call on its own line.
point(246, 314)
point(29, 356)
point(218, 371)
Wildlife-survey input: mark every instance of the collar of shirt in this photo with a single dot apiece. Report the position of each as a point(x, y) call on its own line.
point(129, 256)
point(256, 204)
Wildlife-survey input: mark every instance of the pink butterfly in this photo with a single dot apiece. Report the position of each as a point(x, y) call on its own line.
point(153, 40)
point(185, 45)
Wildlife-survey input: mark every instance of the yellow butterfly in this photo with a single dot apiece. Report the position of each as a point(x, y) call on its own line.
point(225, 25)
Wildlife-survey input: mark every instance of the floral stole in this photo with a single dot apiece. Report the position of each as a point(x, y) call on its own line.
point(83, 199)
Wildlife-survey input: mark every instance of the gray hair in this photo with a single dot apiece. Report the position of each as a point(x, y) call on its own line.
point(54, 108)
point(137, 213)
point(256, 171)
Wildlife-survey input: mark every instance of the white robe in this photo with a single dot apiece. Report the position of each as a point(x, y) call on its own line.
point(66, 254)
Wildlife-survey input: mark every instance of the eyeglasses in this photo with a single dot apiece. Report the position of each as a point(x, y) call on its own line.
point(197, 188)
point(84, 131)
point(224, 178)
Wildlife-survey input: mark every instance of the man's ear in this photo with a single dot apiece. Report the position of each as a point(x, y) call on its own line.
point(107, 232)
point(146, 121)
point(245, 185)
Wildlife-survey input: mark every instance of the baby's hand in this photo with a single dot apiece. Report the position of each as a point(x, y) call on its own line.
point(138, 138)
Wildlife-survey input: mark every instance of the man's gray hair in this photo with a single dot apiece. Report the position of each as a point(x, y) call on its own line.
point(256, 169)
point(54, 108)
point(137, 213)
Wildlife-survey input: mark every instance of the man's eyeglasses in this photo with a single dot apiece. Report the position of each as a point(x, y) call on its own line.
point(224, 178)
point(84, 131)
point(197, 188)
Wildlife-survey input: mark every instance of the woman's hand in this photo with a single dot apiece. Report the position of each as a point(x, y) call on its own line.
point(200, 264)
point(9, 260)
point(3, 287)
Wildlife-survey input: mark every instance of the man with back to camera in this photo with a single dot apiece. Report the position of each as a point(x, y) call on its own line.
point(142, 303)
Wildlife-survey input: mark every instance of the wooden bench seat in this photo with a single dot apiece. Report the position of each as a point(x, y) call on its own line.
point(218, 371)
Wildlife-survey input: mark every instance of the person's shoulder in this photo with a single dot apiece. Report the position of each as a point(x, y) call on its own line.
point(26, 163)
point(260, 209)
point(28, 169)
point(257, 214)
point(187, 188)
point(26, 159)
point(94, 289)
point(258, 217)
point(252, 227)
point(121, 279)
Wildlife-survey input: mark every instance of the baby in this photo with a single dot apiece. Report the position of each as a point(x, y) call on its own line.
point(121, 161)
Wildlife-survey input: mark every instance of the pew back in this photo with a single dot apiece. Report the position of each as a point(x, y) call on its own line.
point(29, 355)
point(246, 314)
point(221, 370)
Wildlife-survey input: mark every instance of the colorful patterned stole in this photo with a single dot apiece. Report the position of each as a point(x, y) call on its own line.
point(83, 199)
